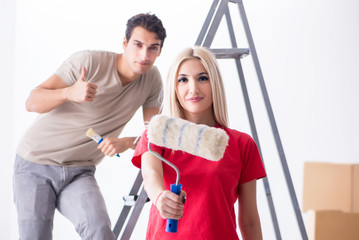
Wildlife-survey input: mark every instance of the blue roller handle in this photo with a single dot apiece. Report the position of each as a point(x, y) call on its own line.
point(172, 224)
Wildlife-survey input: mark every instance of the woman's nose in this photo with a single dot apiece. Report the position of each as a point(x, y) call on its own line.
point(193, 86)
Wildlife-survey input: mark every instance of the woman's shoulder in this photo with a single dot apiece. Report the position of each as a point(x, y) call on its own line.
point(236, 134)
point(239, 138)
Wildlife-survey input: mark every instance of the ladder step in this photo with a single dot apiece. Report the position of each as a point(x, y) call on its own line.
point(130, 200)
point(230, 52)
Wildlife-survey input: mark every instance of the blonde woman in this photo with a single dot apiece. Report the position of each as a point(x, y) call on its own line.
point(195, 92)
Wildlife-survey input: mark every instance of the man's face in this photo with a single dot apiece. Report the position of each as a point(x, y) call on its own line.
point(141, 50)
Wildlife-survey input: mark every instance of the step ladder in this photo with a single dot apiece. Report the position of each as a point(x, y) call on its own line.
point(220, 8)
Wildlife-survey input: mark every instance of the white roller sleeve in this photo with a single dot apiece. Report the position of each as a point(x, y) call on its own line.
point(179, 134)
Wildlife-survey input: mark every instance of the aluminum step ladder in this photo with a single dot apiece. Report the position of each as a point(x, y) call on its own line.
point(205, 39)
point(219, 8)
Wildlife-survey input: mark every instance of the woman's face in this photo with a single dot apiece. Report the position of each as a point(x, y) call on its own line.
point(193, 90)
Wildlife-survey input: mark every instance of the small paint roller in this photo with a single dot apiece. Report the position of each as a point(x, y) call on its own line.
point(94, 136)
point(179, 134)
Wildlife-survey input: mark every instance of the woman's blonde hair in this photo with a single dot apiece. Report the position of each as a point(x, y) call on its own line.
point(171, 105)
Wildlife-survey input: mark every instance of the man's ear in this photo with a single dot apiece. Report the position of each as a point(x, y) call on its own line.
point(124, 43)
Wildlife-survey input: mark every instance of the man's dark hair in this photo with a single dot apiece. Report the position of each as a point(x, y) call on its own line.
point(150, 22)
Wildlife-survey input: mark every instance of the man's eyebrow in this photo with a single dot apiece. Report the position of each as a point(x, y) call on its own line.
point(154, 44)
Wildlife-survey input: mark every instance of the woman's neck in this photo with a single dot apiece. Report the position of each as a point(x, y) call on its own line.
point(201, 119)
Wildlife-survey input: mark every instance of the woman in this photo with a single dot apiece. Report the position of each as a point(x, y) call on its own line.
point(195, 92)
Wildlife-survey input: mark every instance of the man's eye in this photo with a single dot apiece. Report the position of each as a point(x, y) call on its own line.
point(182, 79)
point(154, 48)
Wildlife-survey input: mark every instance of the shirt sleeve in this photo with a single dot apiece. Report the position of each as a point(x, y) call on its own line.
point(71, 69)
point(156, 95)
point(253, 167)
point(142, 147)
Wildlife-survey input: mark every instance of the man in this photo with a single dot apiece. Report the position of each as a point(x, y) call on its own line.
point(55, 161)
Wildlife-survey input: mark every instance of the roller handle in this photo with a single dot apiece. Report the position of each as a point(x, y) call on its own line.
point(171, 225)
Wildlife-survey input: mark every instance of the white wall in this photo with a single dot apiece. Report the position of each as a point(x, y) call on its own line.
point(7, 29)
point(307, 52)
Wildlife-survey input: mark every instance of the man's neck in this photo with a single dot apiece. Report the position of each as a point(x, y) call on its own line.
point(124, 71)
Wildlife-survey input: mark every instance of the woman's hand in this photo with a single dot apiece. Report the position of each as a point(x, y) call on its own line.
point(170, 205)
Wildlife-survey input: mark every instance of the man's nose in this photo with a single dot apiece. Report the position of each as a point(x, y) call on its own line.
point(144, 54)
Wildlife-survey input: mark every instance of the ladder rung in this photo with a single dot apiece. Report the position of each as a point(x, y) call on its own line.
point(230, 52)
point(130, 200)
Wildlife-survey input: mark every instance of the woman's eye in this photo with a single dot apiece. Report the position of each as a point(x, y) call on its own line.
point(182, 79)
point(203, 78)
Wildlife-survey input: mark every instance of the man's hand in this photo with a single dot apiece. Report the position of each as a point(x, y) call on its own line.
point(111, 146)
point(82, 91)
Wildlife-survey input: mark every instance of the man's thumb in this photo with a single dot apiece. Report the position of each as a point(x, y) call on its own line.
point(83, 73)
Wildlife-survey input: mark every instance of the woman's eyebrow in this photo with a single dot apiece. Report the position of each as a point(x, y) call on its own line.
point(201, 73)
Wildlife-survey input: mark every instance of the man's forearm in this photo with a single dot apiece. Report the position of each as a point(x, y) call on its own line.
point(44, 100)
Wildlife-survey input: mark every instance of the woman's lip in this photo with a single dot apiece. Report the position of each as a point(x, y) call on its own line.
point(194, 99)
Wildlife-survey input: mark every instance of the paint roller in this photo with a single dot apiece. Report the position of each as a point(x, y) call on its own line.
point(179, 134)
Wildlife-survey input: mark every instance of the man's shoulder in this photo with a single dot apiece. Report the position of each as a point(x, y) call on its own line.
point(93, 54)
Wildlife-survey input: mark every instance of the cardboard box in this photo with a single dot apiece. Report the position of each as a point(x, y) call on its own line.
point(332, 225)
point(330, 186)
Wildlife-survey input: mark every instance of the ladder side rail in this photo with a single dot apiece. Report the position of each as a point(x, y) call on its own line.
point(273, 122)
point(205, 26)
point(126, 209)
point(253, 125)
point(256, 139)
point(215, 23)
point(140, 202)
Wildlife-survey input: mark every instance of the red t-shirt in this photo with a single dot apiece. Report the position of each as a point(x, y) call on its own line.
point(211, 187)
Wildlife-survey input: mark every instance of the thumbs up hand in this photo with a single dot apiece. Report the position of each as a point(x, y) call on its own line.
point(82, 91)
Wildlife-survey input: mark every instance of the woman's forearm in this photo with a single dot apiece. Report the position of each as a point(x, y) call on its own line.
point(152, 174)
